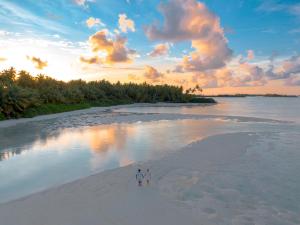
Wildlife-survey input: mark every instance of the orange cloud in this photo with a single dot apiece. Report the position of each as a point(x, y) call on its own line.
point(92, 60)
point(241, 75)
point(2, 59)
point(159, 50)
point(189, 20)
point(38, 63)
point(246, 74)
point(115, 50)
point(152, 74)
point(90, 22)
point(125, 23)
point(133, 77)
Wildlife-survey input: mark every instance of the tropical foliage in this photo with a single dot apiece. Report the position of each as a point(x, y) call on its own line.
point(22, 95)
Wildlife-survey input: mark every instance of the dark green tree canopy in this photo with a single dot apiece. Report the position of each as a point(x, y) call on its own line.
point(21, 92)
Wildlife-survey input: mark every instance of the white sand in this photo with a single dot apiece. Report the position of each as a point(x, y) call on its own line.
point(112, 197)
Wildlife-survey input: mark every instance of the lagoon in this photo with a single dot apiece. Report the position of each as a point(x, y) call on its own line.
point(42, 154)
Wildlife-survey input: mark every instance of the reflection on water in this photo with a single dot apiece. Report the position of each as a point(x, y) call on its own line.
point(73, 153)
point(42, 154)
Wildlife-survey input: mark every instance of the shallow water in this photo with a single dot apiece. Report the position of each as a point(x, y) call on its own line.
point(73, 153)
point(278, 108)
point(39, 155)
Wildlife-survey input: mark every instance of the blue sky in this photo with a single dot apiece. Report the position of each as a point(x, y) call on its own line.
point(266, 27)
point(249, 26)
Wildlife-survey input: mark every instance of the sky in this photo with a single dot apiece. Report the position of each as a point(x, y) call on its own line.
point(225, 47)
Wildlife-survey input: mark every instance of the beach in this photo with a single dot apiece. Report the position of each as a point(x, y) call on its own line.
point(217, 178)
point(161, 112)
point(114, 198)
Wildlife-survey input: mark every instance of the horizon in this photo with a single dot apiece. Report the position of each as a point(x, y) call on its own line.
point(175, 42)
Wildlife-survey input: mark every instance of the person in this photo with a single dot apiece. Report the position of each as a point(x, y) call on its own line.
point(139, 177)
point(148, 176)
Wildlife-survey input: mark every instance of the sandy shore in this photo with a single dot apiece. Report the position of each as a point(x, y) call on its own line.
point(190, 186)
point(112, 197)
point(13, 122)
point(130, 117)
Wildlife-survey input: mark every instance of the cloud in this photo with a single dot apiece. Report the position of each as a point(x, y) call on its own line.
point(247, 74)
point(183, 21)
point(4, 33)
point(125, 23)
point(295, 9)
point(276, 6)
point(115, 50)
point(189, 20)
point(38, 63)
point(91, 60)
point(25, 17)
point(90, 22)
point(205, 80)
point(152, 74)
point(250, 55)
point(159, 50)
point(293, 81)
point(285, 69)
point(82, 2)
point(218, 78)
point(291, 66)
point(294, 31)
point(211, 59)
point(253, 72)
point(79, 2)
point(271, 6)
point(241, 75)
point(133, 77)
point(2, 59)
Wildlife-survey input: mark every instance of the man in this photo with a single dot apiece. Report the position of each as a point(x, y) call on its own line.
point(139, 177)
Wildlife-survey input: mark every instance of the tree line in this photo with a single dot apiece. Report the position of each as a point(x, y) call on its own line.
point(24, 95)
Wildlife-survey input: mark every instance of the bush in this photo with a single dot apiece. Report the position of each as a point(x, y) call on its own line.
point(202, 100)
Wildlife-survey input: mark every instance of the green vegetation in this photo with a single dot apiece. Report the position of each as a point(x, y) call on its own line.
point(202, 100)
point(53, 108)
point(22, 95)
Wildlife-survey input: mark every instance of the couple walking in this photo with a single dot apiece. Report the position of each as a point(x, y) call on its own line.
point(140, 176)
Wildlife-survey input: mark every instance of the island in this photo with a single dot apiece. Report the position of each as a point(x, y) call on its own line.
point(24, 95)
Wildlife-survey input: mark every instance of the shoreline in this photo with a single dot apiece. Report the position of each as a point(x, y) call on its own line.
point(95, 198)
point(198, 184)
point(13, 122)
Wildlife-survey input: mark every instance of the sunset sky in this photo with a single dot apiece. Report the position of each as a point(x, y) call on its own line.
point(232, 46)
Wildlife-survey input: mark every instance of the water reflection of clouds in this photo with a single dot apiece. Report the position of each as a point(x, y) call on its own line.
point(77, 152)
point(95, 148)
point(108, 144)
point(107, 137)
point(121, 143)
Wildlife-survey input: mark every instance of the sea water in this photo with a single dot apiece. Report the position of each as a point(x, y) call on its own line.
point(43, 154)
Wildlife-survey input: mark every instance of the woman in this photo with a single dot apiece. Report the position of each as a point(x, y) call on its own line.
point(148, 176)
